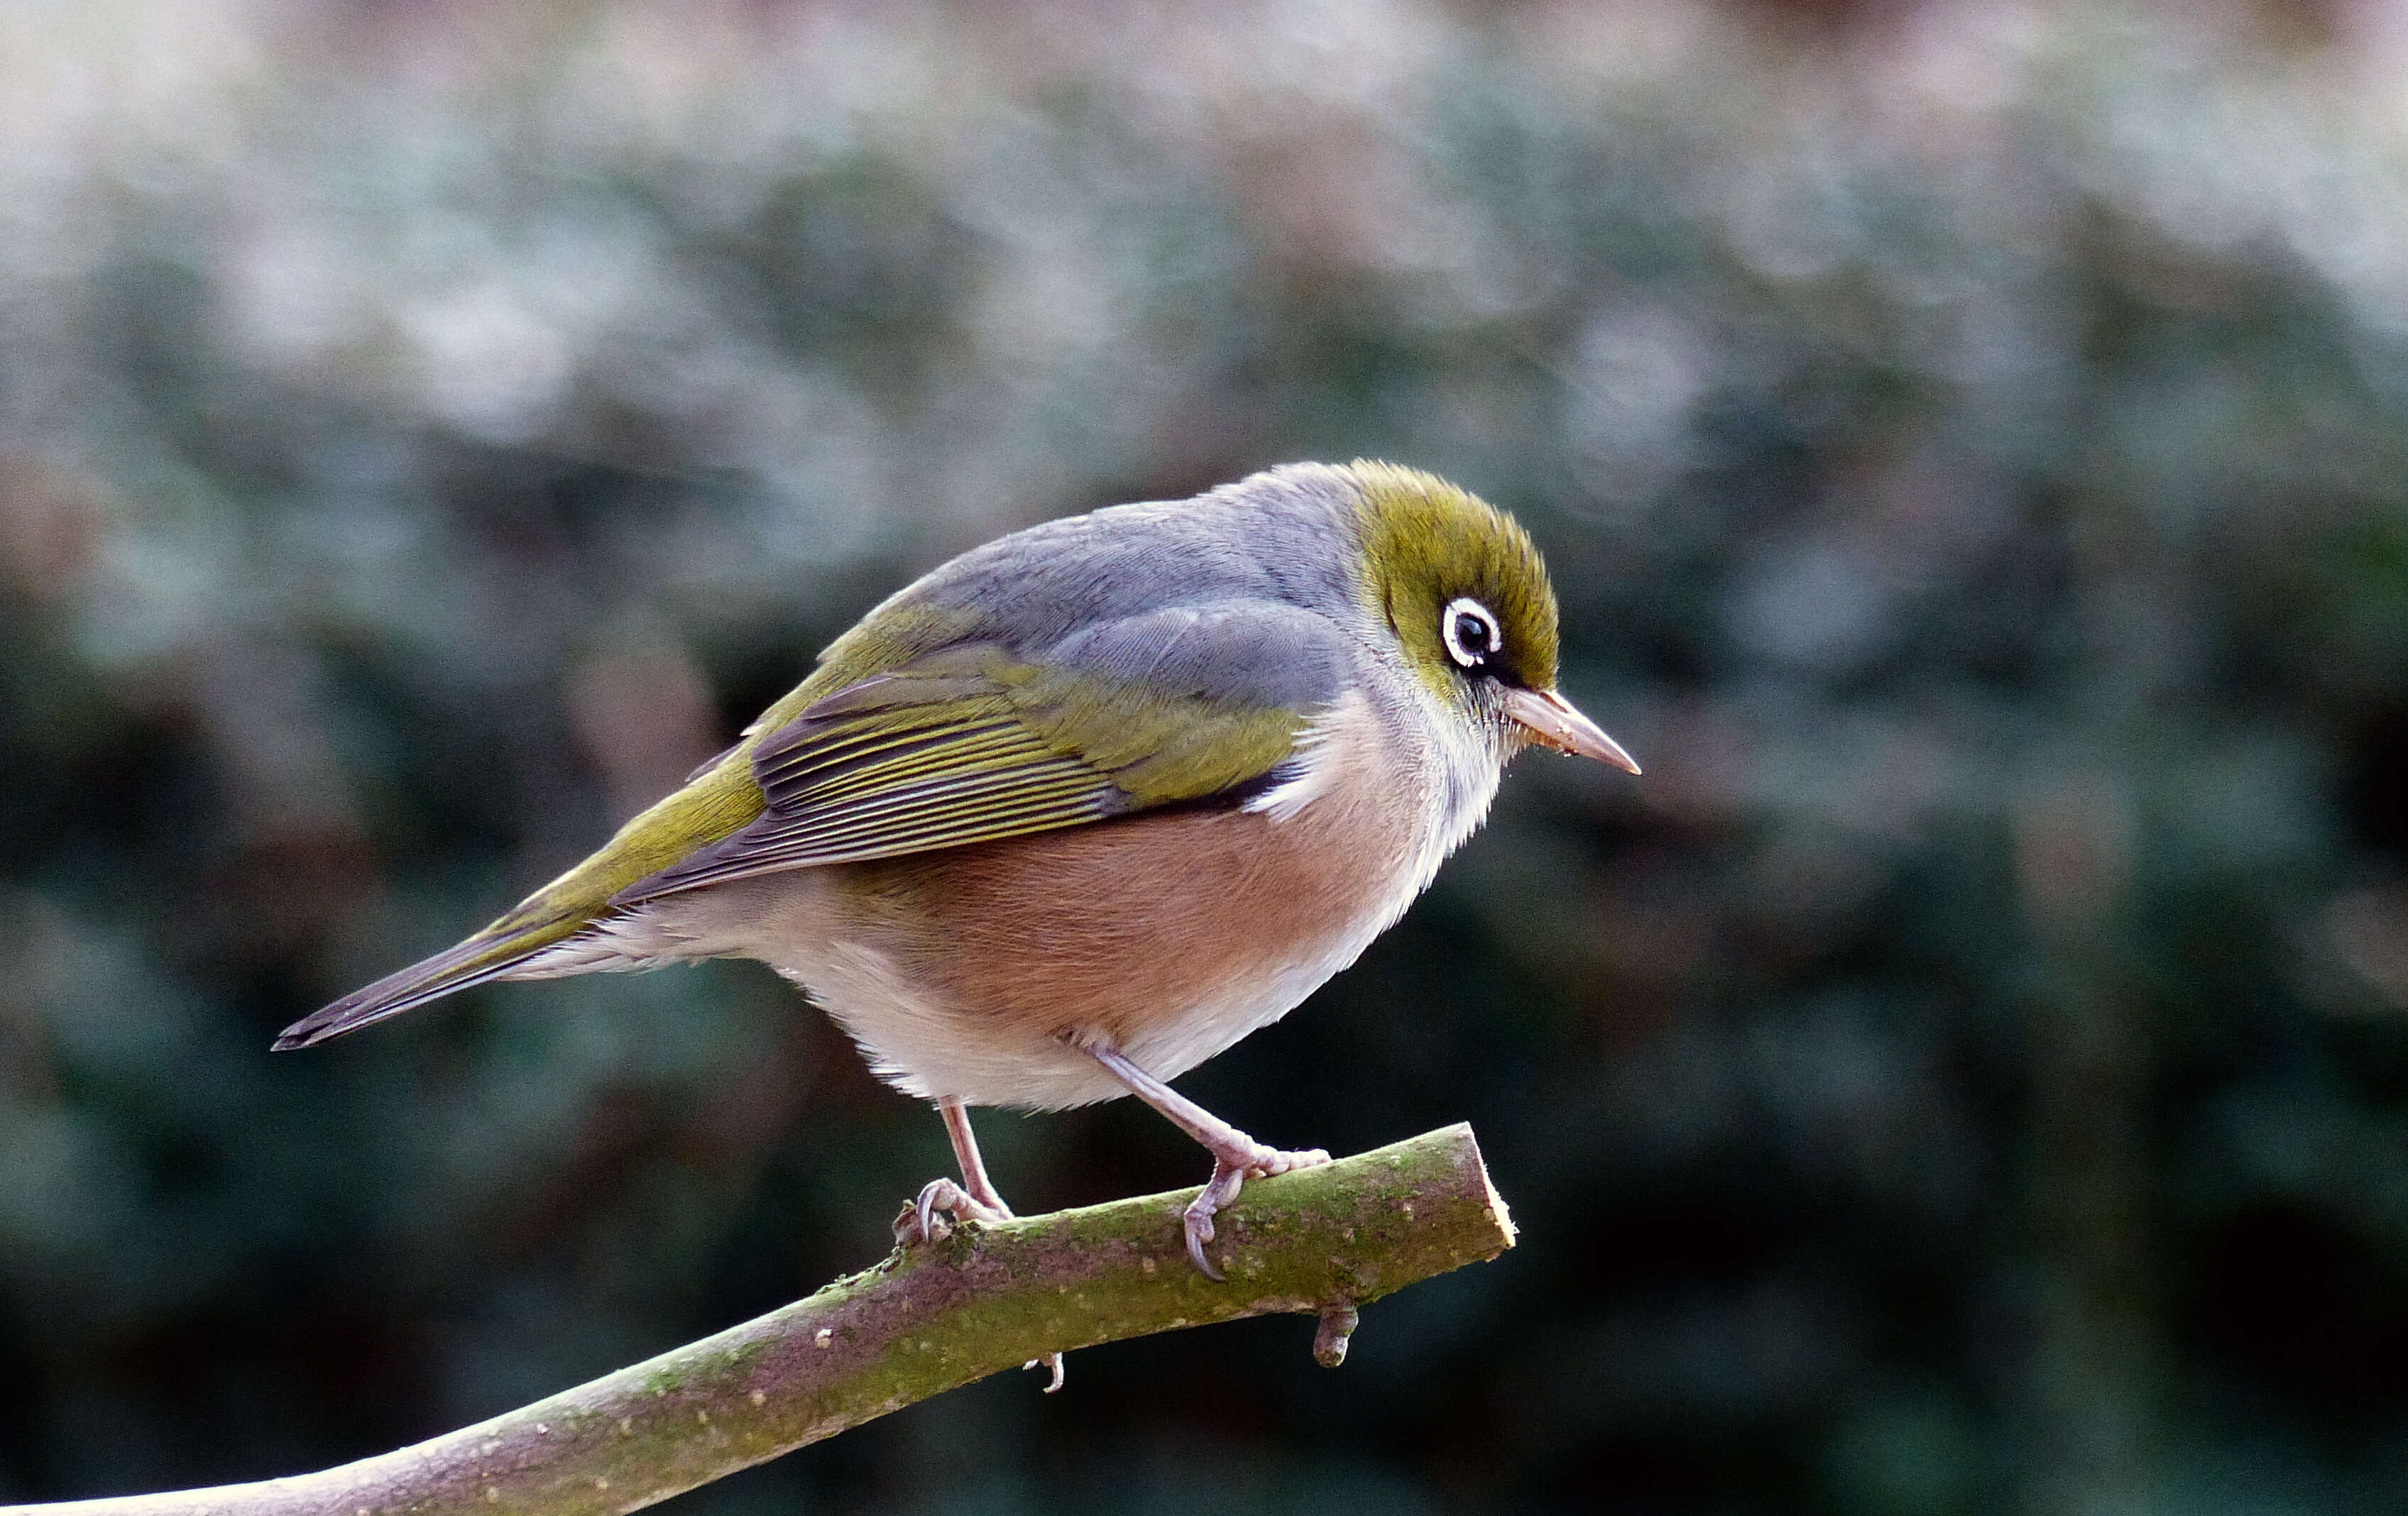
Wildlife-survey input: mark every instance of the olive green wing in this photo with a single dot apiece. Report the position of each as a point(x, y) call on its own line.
point(974, 743)
point(934, 740)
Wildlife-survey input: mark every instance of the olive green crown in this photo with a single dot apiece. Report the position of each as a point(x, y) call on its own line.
point(1425, 544)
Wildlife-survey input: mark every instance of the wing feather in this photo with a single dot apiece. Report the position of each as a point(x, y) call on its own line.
point(852, 787)
point(972, 745)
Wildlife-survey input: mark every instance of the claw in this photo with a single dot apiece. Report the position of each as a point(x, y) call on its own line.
point(942, 1195)
point(1198, 1220)
point(1200, 1232)
point(926, 1208)
point(1230, 1172)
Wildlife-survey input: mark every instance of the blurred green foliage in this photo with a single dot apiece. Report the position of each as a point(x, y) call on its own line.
point(1970, 1072)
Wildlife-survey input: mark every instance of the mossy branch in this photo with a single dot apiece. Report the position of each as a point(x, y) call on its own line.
point(1321, 1241)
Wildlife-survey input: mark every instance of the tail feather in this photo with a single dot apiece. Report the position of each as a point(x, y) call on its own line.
point(721, 800)
point(491, 954)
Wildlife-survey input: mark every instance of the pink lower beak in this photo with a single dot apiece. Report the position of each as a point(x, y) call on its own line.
point(1553, 722)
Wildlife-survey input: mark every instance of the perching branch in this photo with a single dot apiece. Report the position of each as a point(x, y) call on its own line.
point(1321, 1241)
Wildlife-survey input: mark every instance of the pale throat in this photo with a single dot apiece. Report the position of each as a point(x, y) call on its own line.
point(1404, 738)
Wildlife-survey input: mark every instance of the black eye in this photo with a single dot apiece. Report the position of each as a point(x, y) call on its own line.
point(1471, 631)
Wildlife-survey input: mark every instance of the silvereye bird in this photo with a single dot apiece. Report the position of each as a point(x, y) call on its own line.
point(1086, 805)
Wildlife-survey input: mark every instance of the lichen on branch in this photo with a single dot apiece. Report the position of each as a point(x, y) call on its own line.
point(1325, 1241)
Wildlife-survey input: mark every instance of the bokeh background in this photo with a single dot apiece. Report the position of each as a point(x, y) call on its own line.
point(1969, 1072)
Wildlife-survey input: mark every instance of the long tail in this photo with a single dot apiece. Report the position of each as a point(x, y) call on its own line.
point(491, 954)
point(720, 799)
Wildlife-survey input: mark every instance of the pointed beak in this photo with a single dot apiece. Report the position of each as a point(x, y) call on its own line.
point(1553, 722)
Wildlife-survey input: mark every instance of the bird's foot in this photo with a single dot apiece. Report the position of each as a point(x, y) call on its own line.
point(1236, 1157)
point(1233, 1164)
point(917, 1225)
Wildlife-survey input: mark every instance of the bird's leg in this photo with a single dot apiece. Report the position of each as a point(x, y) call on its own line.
point(965, 1152)
point(979, 1199)
point(1235, 1156)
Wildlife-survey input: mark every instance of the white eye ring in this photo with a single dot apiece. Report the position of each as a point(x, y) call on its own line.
point(1486, 636)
